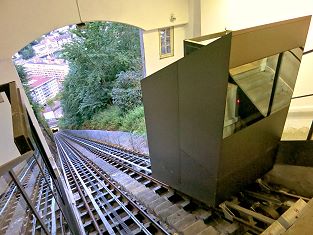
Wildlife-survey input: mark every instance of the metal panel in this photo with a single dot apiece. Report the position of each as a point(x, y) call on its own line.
point(259, 42)
point(184, 137)
point(185, 105)
point(160, 98)
point(20, 130)
point(248, 154)
point(298, 153)
point(202, 79)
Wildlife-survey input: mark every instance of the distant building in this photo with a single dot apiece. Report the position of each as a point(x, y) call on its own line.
point(51, 69)
point(51, 43)
point(53, 113)
point(43, 88)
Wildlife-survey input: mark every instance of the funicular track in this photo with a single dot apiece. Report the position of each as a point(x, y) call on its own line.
point(131, 160)
point(103, 207)
point(10, 200)
point(108, 154)
point(16, 217)
point(249, 212)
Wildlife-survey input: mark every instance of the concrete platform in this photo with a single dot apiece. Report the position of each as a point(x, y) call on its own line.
point(304, 224)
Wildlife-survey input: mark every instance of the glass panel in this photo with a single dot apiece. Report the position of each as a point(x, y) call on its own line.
point(248, 94)
point(288, 72)
point(168, 49)
point(15, 215)
point(298, 122)
point(256, 80)
point(166, 42)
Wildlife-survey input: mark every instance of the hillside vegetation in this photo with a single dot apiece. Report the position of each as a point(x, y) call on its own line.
point(102, 89)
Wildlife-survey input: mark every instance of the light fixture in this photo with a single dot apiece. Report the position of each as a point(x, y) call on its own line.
point(172, 18)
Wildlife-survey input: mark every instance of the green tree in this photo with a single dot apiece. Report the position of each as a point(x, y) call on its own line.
point(99, 52)
point(109, 119)
point(50, 102)
point(134, 121)
point(23, 77)
point(27, 52)
point(126, 92)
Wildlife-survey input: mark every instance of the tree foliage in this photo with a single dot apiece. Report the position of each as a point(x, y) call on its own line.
point(108, 119)
point(23, 77)
point(126, 92)
point(27, 52)
point(134, 121)
point(99, 52)
point(113, 119)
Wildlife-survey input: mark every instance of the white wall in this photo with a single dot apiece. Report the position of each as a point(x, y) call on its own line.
point(151, 44)
point(8, 148)
point(216, 15)
point(193, 28)
point(213, 16)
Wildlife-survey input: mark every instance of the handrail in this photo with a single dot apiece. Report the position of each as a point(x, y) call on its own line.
point(302, 96)
point(308, 52)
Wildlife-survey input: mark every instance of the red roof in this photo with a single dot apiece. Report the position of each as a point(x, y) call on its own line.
point(36, 81)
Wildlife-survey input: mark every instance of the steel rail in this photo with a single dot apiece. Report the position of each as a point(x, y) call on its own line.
point(86, 204)
point(120, 149)
point(12, 191)
point(51, 185)
point(28, 202)
point(140, 225)
point(14, 187)
point(114, 156)
point(96, 169)
point(101, 202)
point(121, 165)
point(80, 191)
point(127, 154)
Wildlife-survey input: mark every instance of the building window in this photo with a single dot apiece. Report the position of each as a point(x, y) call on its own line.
point(166, 42)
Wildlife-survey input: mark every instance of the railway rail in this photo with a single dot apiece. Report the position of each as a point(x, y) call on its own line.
point(107, 153)
point(249, 212)
point(111, 210)
point(16, 216)
point(114, 193)
point(136, 161)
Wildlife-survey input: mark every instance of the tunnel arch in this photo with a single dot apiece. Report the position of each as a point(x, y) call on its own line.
point(24, 21)
point(36, 17)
